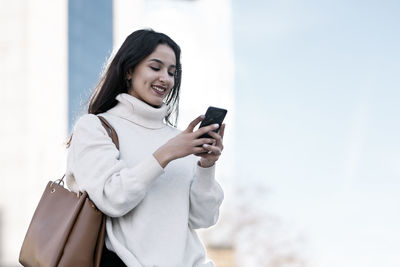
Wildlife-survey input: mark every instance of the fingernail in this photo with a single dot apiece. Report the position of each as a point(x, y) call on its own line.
point(205, 145)
point(202, 116)
point(216, 125)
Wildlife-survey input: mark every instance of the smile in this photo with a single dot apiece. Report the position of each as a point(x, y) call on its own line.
point(159, 89)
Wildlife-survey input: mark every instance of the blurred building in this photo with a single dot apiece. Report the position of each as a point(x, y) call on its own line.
point(33, 84)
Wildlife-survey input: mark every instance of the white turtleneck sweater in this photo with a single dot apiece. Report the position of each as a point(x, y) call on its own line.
point(152, 212)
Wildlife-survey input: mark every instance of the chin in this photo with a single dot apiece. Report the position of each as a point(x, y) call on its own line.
point(155, 104)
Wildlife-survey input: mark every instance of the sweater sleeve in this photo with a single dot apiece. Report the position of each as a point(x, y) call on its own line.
point(206, 196)
point(94, 162)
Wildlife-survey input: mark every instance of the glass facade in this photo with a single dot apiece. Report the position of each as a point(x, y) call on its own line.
point(90, 41)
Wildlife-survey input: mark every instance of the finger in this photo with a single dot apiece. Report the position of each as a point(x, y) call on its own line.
point(222, 131)
point(193, 124)
point(199, 150)
point(202, 141)
point(205, 155)
point(202, 154)
point(216, 136)
point(205, 129)
point(213, 149)
point(218, 139)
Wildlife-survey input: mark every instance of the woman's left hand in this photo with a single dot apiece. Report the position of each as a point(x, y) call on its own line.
point(208, 159)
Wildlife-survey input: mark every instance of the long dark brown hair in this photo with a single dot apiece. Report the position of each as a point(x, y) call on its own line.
point(137, 46)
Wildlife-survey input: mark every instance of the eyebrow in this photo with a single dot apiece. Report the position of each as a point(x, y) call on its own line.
point(162, 63)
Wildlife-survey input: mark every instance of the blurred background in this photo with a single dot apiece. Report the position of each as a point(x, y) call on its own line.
point(311, 164)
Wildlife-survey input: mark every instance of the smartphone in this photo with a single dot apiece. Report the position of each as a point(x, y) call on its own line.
point(213, 115)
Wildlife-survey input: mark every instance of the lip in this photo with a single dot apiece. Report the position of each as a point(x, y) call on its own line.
point(154, 87)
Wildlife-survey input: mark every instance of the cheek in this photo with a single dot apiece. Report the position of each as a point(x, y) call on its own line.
point(172, 82)
point(145, 76)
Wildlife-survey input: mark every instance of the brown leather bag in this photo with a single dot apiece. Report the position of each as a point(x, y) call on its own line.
point(66, 229)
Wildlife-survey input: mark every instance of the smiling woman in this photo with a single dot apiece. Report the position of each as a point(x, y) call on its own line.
point(153, 78)
point(143, 60)
point(159, 186)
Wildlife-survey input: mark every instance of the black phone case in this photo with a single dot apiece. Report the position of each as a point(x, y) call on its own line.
point(213, 115)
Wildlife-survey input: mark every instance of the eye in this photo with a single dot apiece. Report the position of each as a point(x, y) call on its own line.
point(172, 74)
point(154, 68)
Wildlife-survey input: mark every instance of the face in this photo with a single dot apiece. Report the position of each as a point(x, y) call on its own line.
point(153, 78)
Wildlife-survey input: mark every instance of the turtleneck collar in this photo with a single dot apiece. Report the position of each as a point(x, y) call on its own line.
point(139, 112)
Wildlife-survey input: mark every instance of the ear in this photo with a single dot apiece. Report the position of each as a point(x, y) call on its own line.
point(129, 75)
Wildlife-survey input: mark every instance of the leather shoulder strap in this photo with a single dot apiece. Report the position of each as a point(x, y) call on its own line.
point(110, 130)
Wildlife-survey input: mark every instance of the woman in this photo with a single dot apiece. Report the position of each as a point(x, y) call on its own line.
point(159, 186)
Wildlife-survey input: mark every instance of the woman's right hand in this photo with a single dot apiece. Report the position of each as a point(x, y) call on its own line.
point(185, 143)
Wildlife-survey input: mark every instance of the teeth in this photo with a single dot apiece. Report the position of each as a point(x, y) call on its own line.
point(161, 90)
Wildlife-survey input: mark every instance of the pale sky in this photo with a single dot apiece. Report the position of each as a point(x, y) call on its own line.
point(318, 107)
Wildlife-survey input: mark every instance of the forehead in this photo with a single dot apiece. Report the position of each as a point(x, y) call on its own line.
point(163, 53)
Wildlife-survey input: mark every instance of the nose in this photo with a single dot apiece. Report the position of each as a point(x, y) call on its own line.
point(164, 77)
